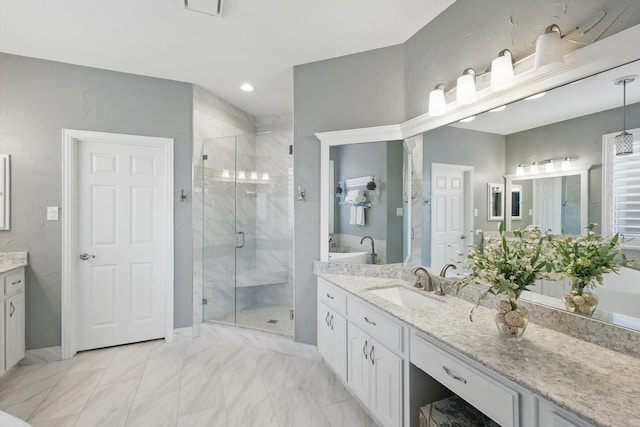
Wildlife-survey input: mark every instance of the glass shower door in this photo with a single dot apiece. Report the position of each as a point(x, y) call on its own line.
point(248, 233)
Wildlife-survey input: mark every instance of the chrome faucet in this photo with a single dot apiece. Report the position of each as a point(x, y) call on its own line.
point(374, 255)
point(423, 279)
point(443, 272)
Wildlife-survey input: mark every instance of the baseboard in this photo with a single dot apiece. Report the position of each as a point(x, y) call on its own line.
point(183, 334)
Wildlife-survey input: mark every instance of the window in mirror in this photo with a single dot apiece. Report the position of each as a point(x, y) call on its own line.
point(494, 197)
point(5, 196)
point(622, 190)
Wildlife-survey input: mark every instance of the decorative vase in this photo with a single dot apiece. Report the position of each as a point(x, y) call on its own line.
point(579, 300)
point(511, 319)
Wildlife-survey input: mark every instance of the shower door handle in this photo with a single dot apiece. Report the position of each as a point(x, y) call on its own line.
point(240, 240)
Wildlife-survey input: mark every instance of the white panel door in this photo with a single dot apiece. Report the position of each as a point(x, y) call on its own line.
point(547, 204)
point(359, 346)
point(122, 236)
point(448, 214)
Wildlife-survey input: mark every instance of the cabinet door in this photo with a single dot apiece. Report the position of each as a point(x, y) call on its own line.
point(14, 329)
point(358, 362)
point(386, 385)
point(324, 333)
point(338, 326)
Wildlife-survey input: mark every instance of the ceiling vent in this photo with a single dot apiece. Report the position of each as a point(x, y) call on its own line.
point(208, 7)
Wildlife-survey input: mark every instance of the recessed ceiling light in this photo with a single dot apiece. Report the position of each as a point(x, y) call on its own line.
point(495, 110)
point(536, 96)
point(246, 87)
point(468, 119)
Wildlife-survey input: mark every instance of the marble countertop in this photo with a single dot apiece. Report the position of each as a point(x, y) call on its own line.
point(599, 385)
point(11, 260)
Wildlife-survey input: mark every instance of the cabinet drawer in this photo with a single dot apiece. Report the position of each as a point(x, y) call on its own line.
point(374, 323)
point(13, 281)
point(332, 296)
point(492, 398)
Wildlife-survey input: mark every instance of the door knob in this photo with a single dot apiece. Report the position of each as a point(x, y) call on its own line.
point(85, 256)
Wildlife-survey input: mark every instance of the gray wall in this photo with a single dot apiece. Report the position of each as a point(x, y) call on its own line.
point(359, 90)
point(451, 145)
point(38, 99)
point(387, 86)
point(579, 138)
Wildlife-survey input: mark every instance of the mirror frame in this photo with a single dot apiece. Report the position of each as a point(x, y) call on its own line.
point(603, 55)
point(499, 189)
point(583, 172)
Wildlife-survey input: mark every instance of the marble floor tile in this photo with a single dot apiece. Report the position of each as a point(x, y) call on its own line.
point(69, 396)
point(128, 363)
point(324, 385)
point(22, 410)
point(214, 417)
point(167, 349)
point(279, 371)
point(94, 359)
point(201, 388)
point(154, 412)
point(295, 407)
point(347, 414)
point(161, 376)
point(66, 421)
point(31, 382)
point(109, 405)
point(246, 400)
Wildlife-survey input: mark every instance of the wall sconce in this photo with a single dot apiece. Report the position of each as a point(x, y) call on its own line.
point(437, 103)
point(549, 49)
point(502, 71)
point(466, 87)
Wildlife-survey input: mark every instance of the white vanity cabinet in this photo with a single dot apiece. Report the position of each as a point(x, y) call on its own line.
point(550, 415)
point(13, 329)
point(332, 327)
point(374, 370)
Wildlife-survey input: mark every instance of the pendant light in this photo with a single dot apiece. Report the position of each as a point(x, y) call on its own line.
point(624, 141)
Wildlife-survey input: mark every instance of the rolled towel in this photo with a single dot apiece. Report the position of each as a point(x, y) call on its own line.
point(361, 199)
point(352, 215)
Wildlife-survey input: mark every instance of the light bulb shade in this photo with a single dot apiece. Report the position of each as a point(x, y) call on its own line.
point(520, 170)
point(225, 173)
point(534, 168)
point(549, 167)
point(566, 164)
point(549, 50)
point(265, 176)
point(437, 103)
point(254, 175)
point(501, 72)
point(624, 144)
point(466, 89)
point(241, 175)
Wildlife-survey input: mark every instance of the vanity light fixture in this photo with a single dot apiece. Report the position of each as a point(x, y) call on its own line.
point(536, 96)
point(466, 87)
point(534, 168)
point(549, 49)
point(502, 71)
point(468, 119)
point(520, 170)
point(624, 141)
point(498, 109)
point(549, 166)
point(566, 164)
point(437, 103)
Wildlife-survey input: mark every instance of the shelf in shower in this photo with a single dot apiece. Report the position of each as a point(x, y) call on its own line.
point(260, 278)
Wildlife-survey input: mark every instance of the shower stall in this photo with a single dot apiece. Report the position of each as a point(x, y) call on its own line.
point(247, 194)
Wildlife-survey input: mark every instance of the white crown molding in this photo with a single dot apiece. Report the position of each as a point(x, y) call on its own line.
point(361, 135)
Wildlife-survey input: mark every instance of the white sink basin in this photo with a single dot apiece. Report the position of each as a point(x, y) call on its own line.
point(350, 257)
point(406, 297)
